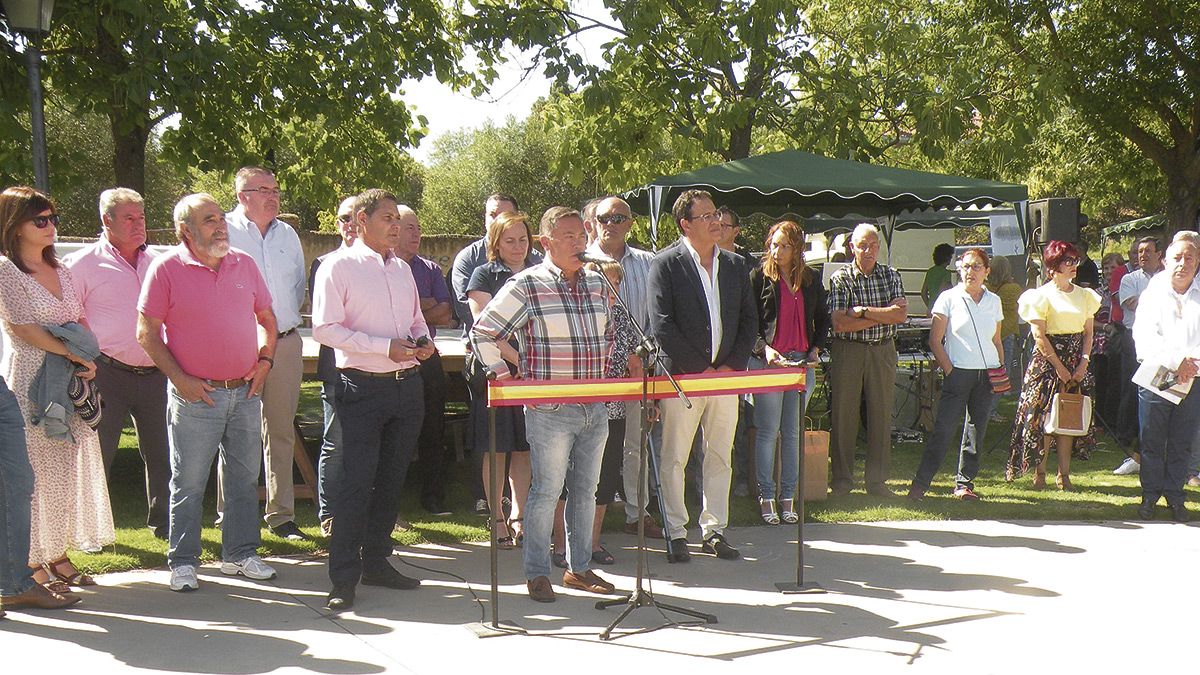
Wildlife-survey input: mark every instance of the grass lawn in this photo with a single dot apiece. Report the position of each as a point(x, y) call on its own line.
point(1099, 496)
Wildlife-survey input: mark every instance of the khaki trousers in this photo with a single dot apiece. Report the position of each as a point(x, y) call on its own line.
point(718, 416)
point(855, 368)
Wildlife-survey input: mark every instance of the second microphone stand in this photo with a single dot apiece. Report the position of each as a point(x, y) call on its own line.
point(647, 352)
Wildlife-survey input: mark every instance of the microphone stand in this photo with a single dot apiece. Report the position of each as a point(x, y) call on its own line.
point(647, 352)
point(799, 586)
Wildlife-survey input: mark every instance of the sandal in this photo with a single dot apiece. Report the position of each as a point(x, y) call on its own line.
point(601, 556)
point(54, 570)
point(787, 511)
point(504, 542)
point(1039, 480)
point(559, 559)
point(518, 531)
point(766, 509)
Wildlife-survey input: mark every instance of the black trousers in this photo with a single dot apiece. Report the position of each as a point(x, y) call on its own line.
point(381, 420)
point(144, 397)
point(432, 456)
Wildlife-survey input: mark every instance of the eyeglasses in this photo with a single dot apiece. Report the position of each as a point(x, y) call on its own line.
point(972, 266)
point(42, 222)
point(705, 218)
point(612, 218)
point(266, 192)
point(345, 218)
point(1073, 262)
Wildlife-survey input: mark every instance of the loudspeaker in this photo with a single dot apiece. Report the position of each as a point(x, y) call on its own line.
point(1055, 219)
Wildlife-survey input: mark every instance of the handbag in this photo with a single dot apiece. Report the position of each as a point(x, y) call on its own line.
point(997, 377)
point(1070, 412)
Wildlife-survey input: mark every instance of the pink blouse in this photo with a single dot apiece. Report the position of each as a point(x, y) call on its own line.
point(791, 335)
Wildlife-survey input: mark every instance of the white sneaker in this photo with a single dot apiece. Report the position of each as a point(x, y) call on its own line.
point(183, 578)
point(251, 567)
point(1127, 467)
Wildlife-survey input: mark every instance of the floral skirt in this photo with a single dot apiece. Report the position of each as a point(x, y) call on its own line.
point(1040, 385)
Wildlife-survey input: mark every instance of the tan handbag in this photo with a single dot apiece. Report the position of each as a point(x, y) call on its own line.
point(816, 463)
point(1070, 412)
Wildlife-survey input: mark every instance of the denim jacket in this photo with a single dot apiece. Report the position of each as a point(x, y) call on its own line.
point(49, 389)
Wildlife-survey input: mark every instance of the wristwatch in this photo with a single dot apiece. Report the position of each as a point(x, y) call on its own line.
point(270, 361)
point(862, 312)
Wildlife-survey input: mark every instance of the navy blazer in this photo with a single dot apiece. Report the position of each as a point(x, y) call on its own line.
point(679, 312)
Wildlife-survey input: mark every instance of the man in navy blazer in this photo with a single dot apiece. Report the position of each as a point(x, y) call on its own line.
point(704, 316)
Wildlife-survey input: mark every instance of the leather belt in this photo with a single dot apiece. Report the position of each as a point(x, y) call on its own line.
point(873, 343)
point(286, 333)
point(227, 384)
point(119, 365)
point(401, 374)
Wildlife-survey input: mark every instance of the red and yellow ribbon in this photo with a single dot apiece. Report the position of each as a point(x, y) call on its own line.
point(530, 392)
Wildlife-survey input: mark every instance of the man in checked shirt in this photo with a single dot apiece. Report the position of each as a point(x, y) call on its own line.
point(866, 300)
point(559, 313)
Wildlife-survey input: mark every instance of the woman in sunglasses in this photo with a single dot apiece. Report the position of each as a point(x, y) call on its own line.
point(1060, 315)
point(70, 506)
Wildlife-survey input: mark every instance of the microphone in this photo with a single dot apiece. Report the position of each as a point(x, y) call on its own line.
point(598, 258)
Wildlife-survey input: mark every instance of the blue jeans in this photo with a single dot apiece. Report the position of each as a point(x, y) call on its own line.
point(1165, 438)
point(963, 389)
point(329, 464)
point(566, 442)
point(231, 428)
point(778, 415)
point(16, 493)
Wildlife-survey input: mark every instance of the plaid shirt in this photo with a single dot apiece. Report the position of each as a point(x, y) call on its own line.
point(563, 333)
point(849, 287)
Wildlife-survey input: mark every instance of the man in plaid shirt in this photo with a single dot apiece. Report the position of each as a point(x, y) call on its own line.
point(866, 299)
point(559, 313)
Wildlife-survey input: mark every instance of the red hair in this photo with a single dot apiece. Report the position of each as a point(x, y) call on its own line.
point(1057, 251)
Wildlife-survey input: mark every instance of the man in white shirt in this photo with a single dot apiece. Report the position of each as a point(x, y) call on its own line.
point(254, 227)
point(1167, 332)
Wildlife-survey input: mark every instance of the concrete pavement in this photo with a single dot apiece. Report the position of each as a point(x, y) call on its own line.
point(911, 597)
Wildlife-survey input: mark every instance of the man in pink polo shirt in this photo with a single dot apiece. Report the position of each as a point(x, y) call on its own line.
point(209, 302)
point(366, 306)
point(108, 276)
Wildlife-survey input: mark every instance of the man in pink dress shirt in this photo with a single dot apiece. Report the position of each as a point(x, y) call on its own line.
point(367, 308)
point(108, 276)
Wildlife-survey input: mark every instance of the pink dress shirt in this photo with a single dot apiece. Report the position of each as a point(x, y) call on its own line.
point(360, 302)
point(109, 288)
point(209, 317)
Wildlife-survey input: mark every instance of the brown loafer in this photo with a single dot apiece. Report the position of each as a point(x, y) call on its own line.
point(588, 581)
point(653, 531)
point(540, 589)
point(39, 597)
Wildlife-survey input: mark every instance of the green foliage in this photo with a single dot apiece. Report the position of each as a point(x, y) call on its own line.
point(516, 158)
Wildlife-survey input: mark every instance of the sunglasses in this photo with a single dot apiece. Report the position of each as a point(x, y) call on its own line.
point(612, 218)
point(42, 222)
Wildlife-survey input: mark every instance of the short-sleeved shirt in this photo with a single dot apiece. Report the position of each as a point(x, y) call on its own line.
point(489, 278)
point(1132, 285)
point(970, 327)
point(208, 315)
point(849, 287)
point(1064, 313)
point(937, 279)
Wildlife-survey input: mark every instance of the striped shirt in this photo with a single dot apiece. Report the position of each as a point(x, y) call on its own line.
point(849, 287)
point(562, 333)
point(635, 289)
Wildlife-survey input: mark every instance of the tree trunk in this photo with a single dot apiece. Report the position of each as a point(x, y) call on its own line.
point(1183, 200)
point(129, 154)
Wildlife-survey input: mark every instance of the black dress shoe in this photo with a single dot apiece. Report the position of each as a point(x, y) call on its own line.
point(679, 551)
point(1179, 513)
point(388, 577)
point(717, 546)
point(1146, 510)
point(340, 598)
point(289, 531)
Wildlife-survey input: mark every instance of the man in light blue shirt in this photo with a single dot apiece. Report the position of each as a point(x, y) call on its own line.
point(254, 227)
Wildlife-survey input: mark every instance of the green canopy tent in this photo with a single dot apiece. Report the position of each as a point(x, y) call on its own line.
point(804, 184)
point(1157, 222)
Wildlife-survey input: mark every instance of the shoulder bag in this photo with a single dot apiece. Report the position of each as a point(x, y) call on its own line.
point(998, 377)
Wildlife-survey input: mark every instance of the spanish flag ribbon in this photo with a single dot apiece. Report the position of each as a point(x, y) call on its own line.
point(531, 392)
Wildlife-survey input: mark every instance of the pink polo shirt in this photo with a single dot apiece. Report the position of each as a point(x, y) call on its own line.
point(109, 286)
point(360, 302)
point(208, 315)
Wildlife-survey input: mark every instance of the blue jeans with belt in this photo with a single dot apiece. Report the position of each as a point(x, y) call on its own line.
point(963, 389)
point(779, 415)
point(16, 492)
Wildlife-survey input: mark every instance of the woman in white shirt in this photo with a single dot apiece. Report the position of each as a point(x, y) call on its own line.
point(967, 317)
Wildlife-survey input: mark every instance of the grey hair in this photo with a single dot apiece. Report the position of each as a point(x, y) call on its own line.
point(551, 217)
point(865, 228)
point(109, 199)
point(183, 210)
